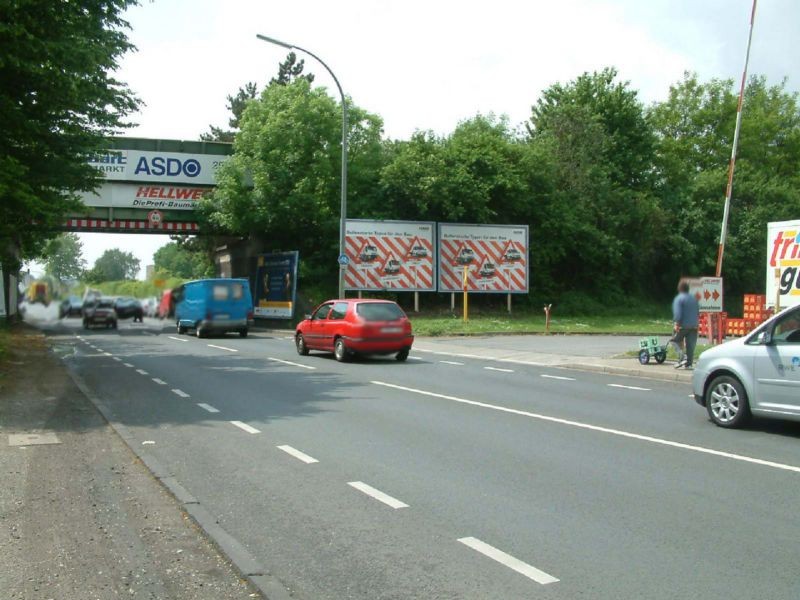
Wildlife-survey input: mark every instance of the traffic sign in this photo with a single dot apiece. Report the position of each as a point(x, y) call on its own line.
point(343, 260)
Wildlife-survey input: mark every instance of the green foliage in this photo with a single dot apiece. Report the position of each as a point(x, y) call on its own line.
point(113, 265)
point(58, 102)
point(64, 257)
point(179, 260)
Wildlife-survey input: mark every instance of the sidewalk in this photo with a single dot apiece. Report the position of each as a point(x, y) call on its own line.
point(81, 517)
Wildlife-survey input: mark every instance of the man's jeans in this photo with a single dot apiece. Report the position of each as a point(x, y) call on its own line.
point(690, 336)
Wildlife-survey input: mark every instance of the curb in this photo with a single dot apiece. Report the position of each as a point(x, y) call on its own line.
point(241, 558)
point(611, 370)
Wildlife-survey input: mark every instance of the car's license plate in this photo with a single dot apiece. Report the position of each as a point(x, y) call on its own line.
point(391, 330)
point(221, 317)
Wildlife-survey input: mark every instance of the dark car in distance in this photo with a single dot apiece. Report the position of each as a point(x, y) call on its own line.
point(70, 307)
point(348, 327)
point(99, 311)
point(129, 307)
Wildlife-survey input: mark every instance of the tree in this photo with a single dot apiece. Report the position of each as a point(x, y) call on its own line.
point(288, 71)
point(182, 260)
point(64, 257)
point(289, 146)
point(58, 103)
point(114, 265)
point(695, 132)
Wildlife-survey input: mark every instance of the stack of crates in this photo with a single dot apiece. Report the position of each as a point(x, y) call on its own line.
point(705, 319)
point(755, 313)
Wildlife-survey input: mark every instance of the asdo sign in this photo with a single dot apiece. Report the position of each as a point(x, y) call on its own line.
point(168, 167)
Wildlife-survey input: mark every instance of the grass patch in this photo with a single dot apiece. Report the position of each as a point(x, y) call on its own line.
point(535, 323)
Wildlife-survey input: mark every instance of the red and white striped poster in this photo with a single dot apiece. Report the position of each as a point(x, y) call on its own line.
point(495, 256)
point(390, 255)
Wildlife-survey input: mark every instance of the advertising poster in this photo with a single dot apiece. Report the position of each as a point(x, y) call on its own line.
point(396, 255)
point(708, 292)
point(783, 263)
point(276, 285)
point(495, 256)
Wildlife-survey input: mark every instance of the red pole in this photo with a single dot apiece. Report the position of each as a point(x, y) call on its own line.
point(732, 164)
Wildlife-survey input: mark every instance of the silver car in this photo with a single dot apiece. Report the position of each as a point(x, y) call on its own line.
point(758, 374)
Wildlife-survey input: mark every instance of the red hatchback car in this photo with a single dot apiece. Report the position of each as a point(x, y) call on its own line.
point(347, 327)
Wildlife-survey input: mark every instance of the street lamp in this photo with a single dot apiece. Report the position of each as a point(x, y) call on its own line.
point(343, 215)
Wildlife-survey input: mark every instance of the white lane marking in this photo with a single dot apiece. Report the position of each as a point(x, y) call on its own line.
point(148, 442)
point(142, 372)
point(289, 337)
point(245, 427)
point(172, 337)
point(222, 348)
point(108, 353)
point(501, 370)
point(509, 561)
point(116, 358)
point(629, 387)
point(129, 365)
point(288, 362)
point(377, 494)
point(452, 362)
point(159, 381)
point(180, 393)
point(298, 455)
point(558, 377)
point(207, 407)
point(415, 358)
point(618, 432)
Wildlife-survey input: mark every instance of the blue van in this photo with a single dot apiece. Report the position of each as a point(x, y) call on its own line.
point(213, 306)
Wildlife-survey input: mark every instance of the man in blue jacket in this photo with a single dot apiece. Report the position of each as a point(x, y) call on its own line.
point(686, 315)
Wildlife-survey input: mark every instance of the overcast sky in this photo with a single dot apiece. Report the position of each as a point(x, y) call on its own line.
point(429, 65)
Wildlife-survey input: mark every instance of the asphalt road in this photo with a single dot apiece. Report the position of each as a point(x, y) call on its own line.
point(453, 477)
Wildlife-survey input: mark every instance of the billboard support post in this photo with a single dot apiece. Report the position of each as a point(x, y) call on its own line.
point(508, 302)
point(452, 302)
point(416, 302)
point(466, 302)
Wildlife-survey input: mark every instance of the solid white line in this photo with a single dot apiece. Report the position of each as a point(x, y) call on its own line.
point(558, 377)
point(452, 362)
point(293, 364)
point(129, 365)
point(501, 370)
point(180, 393)
point(222, 348)
point(509, 561)
point(245, 426)
point(172, 337)
point(142, 372)
point(159, 381)
point(298, 455)
point(629, 387)
point(207, 407)
point(116, 358)
point(377, 494)
point(618, 432)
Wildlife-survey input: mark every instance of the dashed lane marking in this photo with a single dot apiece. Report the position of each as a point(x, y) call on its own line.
point(177, 339)
point(452, 362)
point(288, 362)
point(244, 427)
point(159, 381)
point(629, 387)
point(558, 377)
point(498, 369)
point(298, 455)
point(222, 347)
point(129, 365)
point(598, 428)
point(142, 372)
point(180, 393)
point(377, 494)
point(209, 408)
point(117, 358)
point(509, 561)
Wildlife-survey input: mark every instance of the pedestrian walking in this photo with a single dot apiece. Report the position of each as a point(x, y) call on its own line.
point(685, 316)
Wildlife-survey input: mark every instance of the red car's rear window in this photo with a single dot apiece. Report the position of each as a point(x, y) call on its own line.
point(379, 311)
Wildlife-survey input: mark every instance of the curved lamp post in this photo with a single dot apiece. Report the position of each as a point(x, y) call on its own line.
point(343, 215)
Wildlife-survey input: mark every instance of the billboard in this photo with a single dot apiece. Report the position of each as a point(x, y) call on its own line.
point(396, 255)
point(495, 256)
point(166, 167)
point(276, 285)
point(145, 196)
point(783, 263)
point(708, 292)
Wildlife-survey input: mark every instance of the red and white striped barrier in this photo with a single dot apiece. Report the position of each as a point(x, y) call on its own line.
point(128, 225)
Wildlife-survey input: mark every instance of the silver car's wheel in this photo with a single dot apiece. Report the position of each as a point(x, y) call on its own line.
point(726, 402)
